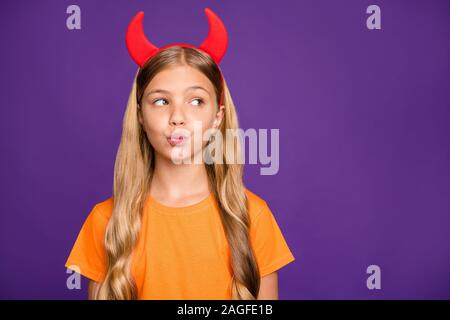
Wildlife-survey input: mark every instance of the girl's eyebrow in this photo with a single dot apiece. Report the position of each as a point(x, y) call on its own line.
point(168, 92)
point(196, 87)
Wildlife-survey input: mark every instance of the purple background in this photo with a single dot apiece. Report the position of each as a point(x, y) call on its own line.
point(364, 133)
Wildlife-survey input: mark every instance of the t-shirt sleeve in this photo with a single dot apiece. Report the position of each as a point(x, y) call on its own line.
point(88, 255)
point(270, 247)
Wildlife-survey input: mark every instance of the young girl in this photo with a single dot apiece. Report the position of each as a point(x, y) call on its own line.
point(178, 229)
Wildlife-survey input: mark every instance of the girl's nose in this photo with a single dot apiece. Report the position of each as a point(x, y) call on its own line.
point(176, 122)
point(177, 116)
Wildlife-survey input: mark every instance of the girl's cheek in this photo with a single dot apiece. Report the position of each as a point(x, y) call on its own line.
point(155, 131)
point(154, 120)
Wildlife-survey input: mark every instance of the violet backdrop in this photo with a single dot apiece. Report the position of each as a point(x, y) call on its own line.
point(364, 134)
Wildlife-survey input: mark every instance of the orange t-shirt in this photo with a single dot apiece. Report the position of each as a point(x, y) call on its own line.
point(182, 252)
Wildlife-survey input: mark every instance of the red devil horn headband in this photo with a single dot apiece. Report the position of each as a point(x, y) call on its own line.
point(141, 49)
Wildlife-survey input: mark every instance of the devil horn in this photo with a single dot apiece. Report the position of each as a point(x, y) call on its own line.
point(216, 42)
point(139, 47)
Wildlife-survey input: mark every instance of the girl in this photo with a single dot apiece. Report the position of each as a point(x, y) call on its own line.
point(177, 228)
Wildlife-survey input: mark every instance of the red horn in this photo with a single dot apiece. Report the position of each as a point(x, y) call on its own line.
point(217, 40)
point(139, 47)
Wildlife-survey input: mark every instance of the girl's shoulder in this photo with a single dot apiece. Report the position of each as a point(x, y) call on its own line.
point(256, 204)
point(104, 208)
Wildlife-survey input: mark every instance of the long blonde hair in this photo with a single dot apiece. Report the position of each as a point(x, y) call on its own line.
point(133, 171)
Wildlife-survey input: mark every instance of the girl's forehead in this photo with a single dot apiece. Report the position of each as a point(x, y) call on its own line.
point(179, 78)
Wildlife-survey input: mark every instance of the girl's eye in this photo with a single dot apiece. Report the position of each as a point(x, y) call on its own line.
point(199, 101)
point(155, 102)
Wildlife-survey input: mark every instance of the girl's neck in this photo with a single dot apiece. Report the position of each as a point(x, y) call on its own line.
point(179, 184)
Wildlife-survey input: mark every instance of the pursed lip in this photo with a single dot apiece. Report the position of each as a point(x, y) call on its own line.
point(177, 139)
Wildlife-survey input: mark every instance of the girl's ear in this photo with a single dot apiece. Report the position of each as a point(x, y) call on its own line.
point(219, 117)
point(141, 121)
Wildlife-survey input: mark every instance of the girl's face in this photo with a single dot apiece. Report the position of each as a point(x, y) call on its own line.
point(177, 108)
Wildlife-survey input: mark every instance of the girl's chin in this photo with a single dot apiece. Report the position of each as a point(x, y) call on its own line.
point(180, 155)
point(177, 155)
